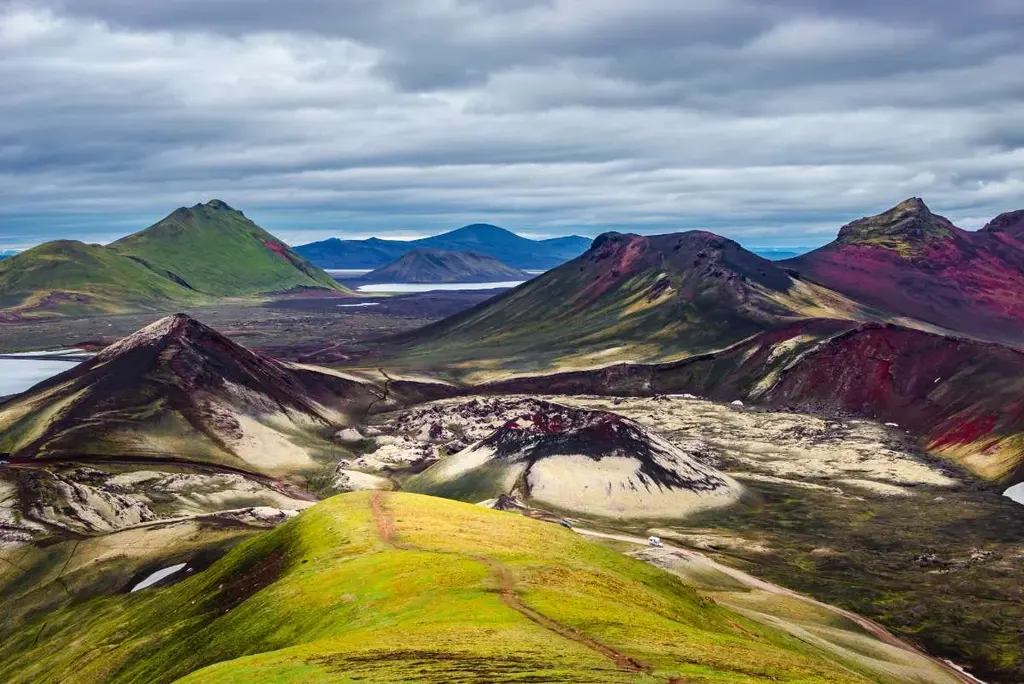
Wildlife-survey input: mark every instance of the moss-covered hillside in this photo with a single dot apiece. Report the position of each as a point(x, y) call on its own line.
point(395, 588)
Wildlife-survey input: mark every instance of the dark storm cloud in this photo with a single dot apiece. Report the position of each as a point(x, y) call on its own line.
point(770, 121)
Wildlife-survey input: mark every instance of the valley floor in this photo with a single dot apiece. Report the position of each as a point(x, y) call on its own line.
point(323, 329)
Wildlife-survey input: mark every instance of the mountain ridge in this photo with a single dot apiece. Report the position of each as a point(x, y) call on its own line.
point(180, 390)
point(495, 242)
point(641, 297)
point(917, 264)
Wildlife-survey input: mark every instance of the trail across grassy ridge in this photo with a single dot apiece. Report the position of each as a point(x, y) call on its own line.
point(507, 591)
point(400, 587)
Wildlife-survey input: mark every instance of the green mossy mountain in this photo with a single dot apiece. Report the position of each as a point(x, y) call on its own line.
point(214, 249)
point(195, 255)
point(399, 588)
point(66, 277)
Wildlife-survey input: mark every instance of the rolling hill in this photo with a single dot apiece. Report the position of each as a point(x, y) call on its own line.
point(214, 249)
point(641, 298)
point(917, 264)
point(495, 242)
point(401, 588)
point(72, 278)
point(178, 391)
point(442, 266)
point(193, 256)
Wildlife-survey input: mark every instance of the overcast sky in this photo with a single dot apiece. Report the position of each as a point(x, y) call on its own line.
point(772, 122)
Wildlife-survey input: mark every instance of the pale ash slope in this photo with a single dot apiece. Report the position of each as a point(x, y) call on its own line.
point(588, 462)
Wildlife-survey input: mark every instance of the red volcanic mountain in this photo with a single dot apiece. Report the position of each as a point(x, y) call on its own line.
point(913, 263)
point(965, 399)
point(636, 297)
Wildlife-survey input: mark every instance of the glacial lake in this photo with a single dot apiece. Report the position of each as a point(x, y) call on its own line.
point(432, 287)
point(17, 375)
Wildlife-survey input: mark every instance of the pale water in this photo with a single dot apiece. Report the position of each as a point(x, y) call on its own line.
point(430, 287)
point(17, 375)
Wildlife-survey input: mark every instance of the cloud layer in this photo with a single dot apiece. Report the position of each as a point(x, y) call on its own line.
point(773, 123)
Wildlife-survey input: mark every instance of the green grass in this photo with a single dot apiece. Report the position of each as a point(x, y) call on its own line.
point(86, 278)
point(218, 251)
point(189, 258)
point(327, 598)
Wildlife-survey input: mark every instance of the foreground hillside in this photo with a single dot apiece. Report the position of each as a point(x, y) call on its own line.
point(445, 266)
point(911, 262)
point(195, 255)
point(495, 242)
point(385, 588)
point(630, 297)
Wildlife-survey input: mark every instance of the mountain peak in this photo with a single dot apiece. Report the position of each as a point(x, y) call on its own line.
point(907, 225)
point(1011, 223)
point(216, 205)
point(179, 328)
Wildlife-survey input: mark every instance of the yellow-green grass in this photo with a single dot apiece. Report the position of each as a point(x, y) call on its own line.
point(336, 596)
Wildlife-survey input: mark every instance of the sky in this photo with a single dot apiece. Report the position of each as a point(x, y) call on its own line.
point(773, 122)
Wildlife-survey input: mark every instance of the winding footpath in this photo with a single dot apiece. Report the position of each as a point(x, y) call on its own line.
point(509, 596)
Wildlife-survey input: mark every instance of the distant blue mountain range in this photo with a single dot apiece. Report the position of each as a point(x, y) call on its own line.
point(501, 244)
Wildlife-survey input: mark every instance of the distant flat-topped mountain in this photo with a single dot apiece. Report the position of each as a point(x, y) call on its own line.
point(633, 297)
point(194, 255)
point(495, 242)
point(917, 264)
point(443, 266)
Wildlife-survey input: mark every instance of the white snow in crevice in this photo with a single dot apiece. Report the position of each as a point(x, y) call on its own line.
point(1016, 492)
point(157, 576)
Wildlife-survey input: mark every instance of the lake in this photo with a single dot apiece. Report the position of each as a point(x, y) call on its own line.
point(17, 375)
point(431, 287)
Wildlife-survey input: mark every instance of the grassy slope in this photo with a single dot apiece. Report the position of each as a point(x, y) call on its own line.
point(426, 589)
point(218, 251)
point(90, 277)
point(592, 312)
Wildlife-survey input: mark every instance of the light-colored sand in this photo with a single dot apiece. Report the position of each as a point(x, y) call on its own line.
point(786, 445)
point(613, 487)
point(346, 480)
point(268, 450)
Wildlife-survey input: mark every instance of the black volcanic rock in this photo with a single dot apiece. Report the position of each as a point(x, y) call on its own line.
point(1010, 223)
